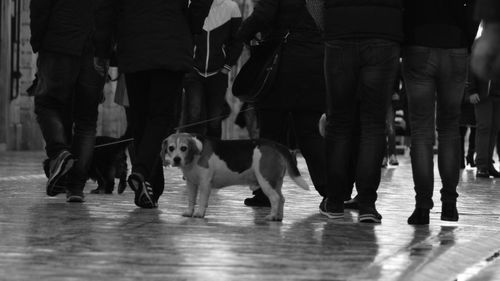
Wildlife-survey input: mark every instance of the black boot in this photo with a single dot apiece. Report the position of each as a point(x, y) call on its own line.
point(420, 216)
point(259, 199)
point(449, 212)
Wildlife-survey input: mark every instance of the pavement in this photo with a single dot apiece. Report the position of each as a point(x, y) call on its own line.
point(108, 238)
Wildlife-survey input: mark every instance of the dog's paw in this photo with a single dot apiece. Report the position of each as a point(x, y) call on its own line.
point(273, 218)
point(188, 213)
point(199, 214)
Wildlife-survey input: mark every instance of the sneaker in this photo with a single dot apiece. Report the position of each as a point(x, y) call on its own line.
point(143, 191)
point(393, 160)
point(73, 196)
point(331, 211)
point(369, 215)
point(351, 204)
point(420, 216)
point(258, 200)
point(58, 167)
point(449, 212)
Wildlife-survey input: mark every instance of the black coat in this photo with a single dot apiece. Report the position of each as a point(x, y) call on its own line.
point(157, 34)
point(488, 10)
point(65, 26)
point(300, 82)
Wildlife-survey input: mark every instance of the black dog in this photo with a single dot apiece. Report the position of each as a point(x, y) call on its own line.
point(109, 162)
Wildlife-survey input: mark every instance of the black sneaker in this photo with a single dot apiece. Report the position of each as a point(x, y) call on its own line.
point(351, 204)
point(58, 167)
point(259, 199)
point(144, 197)
point(420, 216)
point(73, 196)
point(449, 212)
point(331, 211)
point(369, 215)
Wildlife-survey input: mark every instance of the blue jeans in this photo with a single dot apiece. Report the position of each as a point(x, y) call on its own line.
point(360, 76)
point(435, 77)
point(66, 100)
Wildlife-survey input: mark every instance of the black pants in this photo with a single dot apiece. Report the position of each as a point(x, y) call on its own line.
point(275, 125)
point(153, 96)
point(205, 100)
point(66, 100)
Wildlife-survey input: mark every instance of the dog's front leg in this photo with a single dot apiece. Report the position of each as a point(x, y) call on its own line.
point(192, 190)
point(204, 189)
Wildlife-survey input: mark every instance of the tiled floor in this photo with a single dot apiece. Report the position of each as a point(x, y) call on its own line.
point(108, 238)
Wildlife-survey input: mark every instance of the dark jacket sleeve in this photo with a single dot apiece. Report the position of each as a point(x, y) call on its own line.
point(198, 12)
point(39, 20)
point(105, 22)
point(233, 46)
point(488, 10)
point(261, 17)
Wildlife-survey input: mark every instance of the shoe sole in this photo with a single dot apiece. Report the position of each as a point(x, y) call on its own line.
point(369, 218)
point(142, 198)
point(62, 169)
point(334, 216)
point(449, 219)
point(75, 199)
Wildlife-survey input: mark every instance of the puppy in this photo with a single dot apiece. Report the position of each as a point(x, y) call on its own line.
point(210, 163)
point(108, 162)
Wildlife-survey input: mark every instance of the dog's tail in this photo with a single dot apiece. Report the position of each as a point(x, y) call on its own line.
point(291, 166)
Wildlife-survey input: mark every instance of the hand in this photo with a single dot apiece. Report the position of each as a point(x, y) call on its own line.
point(101, 65)
point(474, 98)
point(485, 60)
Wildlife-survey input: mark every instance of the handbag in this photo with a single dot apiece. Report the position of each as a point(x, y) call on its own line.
point(258, 74)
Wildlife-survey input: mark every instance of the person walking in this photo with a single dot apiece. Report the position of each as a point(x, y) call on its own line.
point(435, 61)
point(154, 51)
point(216, 52)
point(362, 50)
point(486, 52)
point(72, 65)
point(296, 100)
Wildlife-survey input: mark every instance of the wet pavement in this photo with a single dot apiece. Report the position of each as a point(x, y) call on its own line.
point(108, 238)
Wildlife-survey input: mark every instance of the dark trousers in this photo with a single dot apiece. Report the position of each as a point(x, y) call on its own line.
point(204, 100)
point(487, 127)
point(153, 97)
point(435, 76)
point(358, 73)
point(67, 96)
point(275, 125)
point(471, 150)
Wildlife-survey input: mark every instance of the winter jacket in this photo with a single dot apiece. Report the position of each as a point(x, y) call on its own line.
point(440, 23)
point(66, 26)
point(300, 81)
point(352, 19)
point(216, 46)
point(156, 34)
point(488, 10)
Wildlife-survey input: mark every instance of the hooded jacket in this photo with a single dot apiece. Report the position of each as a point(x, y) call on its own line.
point(216, 46)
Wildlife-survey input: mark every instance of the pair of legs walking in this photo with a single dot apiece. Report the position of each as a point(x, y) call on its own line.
point(67, 96)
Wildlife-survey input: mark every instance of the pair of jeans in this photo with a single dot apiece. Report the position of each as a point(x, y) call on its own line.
point(67, 96)
point(153, 97)
point(204, 104)
point(487, 127)
point(277, 125)
point(433, 77)
point(360, 76)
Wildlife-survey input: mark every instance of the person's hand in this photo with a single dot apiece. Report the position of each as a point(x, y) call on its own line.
point(485, 60)
point(474, 98)
point(101, 65)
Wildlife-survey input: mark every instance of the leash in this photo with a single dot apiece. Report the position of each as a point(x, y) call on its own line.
point(113, 143)
point(177, 129)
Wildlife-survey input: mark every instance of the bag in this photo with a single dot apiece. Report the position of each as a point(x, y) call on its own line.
point(258, 74)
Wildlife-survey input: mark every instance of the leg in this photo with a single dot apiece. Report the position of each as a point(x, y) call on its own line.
point(193, 105)
point(463, 132)
point(192, 191)
point(274, 197)
point(204, 190)
point(484, 112)
point(216, 105)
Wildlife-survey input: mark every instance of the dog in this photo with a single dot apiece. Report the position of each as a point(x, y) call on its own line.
point(109, 161)
point(208, 163)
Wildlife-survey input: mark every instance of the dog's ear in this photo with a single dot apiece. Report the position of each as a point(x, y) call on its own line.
point(164, 153)
point(198, 144)
point(194, 148)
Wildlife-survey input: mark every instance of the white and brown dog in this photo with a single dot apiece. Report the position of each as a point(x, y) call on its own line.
point(210, 163)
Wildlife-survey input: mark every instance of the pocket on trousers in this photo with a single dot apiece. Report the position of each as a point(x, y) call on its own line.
point(458, 64)
point(416, 60)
